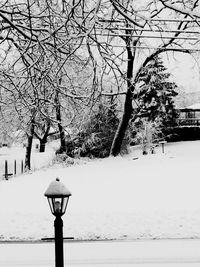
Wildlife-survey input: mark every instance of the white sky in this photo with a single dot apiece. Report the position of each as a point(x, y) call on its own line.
point(185, 71)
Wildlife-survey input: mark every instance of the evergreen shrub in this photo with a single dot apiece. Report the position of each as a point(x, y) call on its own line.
point(182, 133)
point(96, 138)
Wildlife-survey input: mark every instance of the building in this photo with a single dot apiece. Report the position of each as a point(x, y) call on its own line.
point(190, 115)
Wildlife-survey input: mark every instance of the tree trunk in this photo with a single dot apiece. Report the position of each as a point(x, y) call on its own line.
point(60, 127)
point(62, 139)
point(123, 125)
point(43, 139)
point(29, 147)
point(43, 142)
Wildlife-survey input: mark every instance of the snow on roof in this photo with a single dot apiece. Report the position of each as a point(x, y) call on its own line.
point(194, 106)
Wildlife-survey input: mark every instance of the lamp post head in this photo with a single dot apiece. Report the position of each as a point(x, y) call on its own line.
point(58, 196)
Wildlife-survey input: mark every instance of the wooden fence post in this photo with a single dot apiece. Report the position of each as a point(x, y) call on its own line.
point(15, 167)
point(22, 166)
point(6, 169)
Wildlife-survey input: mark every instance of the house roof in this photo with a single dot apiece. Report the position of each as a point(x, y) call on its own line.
point(193, 107)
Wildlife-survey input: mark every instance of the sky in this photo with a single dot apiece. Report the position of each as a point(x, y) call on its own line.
point(185, 71)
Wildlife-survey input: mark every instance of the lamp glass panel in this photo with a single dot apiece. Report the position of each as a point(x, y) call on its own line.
point(57, 203)
point(50, 200)
point(64, 204)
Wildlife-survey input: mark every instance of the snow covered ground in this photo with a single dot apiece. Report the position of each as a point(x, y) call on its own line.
point(17, 153)
point(130, 197)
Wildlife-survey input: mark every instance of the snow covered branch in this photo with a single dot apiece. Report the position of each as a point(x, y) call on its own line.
point(185, 11)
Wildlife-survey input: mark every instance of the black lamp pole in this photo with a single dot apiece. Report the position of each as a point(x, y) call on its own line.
point(58, 196)
point(59, 256)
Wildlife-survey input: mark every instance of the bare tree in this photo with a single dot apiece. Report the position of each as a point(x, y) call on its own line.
point(132, 34)
point(53, 40)
point(46, 39)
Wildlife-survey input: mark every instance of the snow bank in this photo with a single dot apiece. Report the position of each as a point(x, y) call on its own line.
point(153, 196)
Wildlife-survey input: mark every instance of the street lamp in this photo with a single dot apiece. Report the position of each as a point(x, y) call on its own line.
point(58, 196)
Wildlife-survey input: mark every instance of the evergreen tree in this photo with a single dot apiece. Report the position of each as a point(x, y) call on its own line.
point(156, 93)
point(155, 105)
point(96, 138)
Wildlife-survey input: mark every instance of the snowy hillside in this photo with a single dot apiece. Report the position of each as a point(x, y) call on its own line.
point(153, 196)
